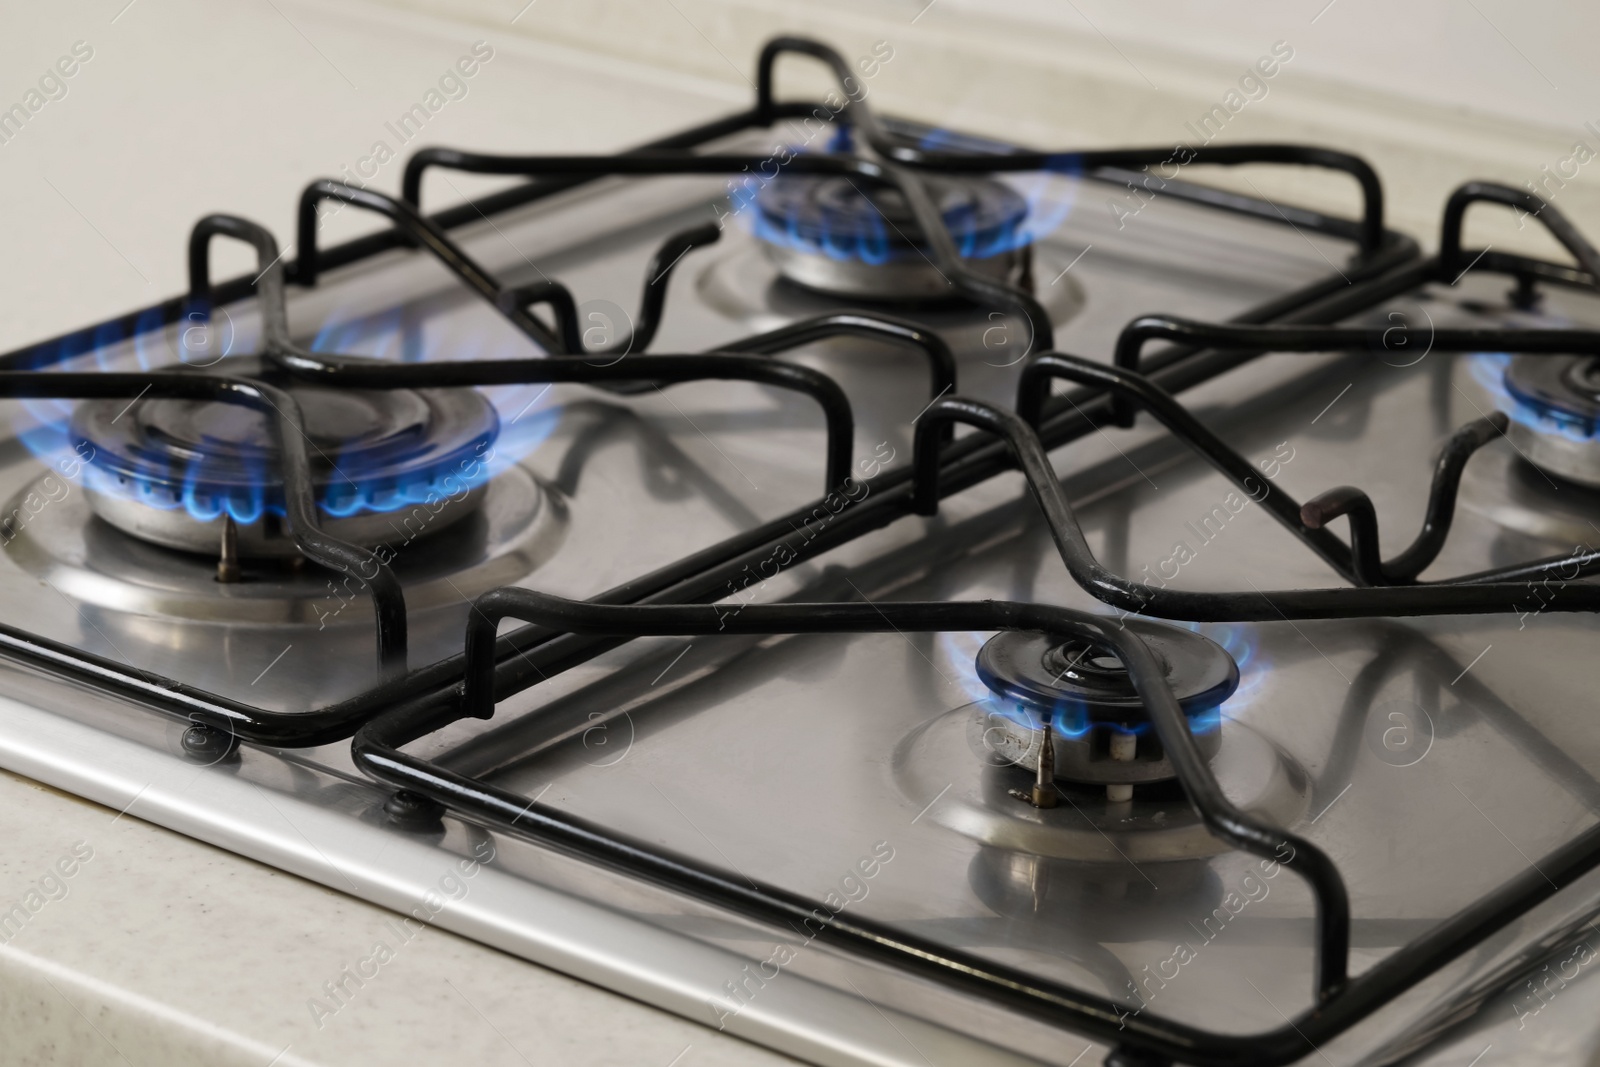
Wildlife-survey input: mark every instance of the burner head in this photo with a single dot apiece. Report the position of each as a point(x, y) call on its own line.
point(167, 471)
point(1100, 731)
point(1556, 423)
point(840, 236)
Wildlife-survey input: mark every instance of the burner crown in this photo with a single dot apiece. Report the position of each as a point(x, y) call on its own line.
point(166, 470)
point(836, 235)
point(1555, 416)
point(1047, 674)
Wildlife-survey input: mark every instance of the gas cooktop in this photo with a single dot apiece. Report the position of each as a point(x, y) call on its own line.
point(936, 620)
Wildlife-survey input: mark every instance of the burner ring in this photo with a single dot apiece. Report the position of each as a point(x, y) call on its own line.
point(1100, 731)
point(1565, 388)
point(165, 470)
point(1048, 674)
point(1555, 422)
point(829, 234)
point(839, 218)
point(1584, 377)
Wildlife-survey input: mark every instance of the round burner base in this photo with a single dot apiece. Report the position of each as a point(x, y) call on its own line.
point(1556, 424)
point(744, 285)
point(50, 531)
point(1506, 489)
point(1576, 461)
point(902, 282)
point(934, 768)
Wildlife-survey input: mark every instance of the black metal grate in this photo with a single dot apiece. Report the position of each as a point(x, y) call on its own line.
point(408, 704)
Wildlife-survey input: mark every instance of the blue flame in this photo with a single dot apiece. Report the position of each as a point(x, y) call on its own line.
point(44, 425)
point(145, 331)
point(524, 423)
point(1244, 645)
point(205, 502)
point(1071, 718)
point(1488, 369)
point(342, 333)
point(959, 655)
point(867, 240)
point(1049, 195)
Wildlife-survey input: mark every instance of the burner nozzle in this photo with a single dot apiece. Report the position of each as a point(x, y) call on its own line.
point(1124, 748)
point(1043, 793)
point(228, 560)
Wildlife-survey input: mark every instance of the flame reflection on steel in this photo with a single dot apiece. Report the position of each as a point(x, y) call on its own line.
point(1049, 197)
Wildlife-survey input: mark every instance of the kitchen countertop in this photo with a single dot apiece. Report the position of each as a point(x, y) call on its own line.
point(157, 949)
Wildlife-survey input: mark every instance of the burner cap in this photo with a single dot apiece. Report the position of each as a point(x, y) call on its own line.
point(1050, 675)
point(1556, 419)
point(836, 235)
point(1100, 731)
point(166, 470)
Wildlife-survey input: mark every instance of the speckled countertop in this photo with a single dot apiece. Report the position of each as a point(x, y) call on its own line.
point(158, 950)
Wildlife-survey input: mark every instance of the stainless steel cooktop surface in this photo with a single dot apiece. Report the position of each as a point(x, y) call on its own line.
point(1431, 758)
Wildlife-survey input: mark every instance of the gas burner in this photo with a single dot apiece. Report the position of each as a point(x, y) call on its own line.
point(1556, 424)
point(831, 235)
point(1100, 733)
point(166, 471)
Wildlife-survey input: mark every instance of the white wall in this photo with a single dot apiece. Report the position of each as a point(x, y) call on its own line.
point(1533, 62)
